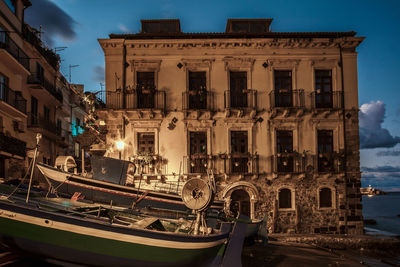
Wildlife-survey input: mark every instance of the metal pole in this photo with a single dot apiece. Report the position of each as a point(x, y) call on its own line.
point(38, 137)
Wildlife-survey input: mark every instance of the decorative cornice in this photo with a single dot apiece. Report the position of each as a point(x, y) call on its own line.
point(240, 43)
point(143, 64)
point(324, 61)
point(238, 62)
point(197, 63)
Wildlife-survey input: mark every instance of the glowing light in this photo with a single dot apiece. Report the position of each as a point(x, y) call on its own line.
point(120, 145)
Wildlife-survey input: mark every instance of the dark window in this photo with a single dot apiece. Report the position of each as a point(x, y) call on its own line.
point(145, 89)
point(239, 149)
point(34, 110)
point(198, 152)
point(39, 72)
point(46, 114)
point(3, 87)
point(59, 126)
point(325, 149)
point(285, 198)
point(238, 85)
point(146, 143)
point(323, 89)
point(283, 88)
point(325, 198)
point(284, 142)
point(161, 26)
point(197, 90)
point(249, 26)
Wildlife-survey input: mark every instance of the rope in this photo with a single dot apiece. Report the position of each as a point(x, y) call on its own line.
point(23, 179)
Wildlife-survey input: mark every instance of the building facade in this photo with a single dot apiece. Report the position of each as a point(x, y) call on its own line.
point(274, 116)
point(34, 97)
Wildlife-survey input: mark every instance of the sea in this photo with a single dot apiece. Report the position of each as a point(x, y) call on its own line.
point(385, 210)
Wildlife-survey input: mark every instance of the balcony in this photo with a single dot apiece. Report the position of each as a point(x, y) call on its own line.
point(326, 100)
point(328, 162)
point(287, 98)
point(197, 163)
point(12, 145)
point(13, 49)
point(144, 99)
point(38, 82)
point(35, 121)
point(246, 99)
point(197, 100)
point(31, 37)
point(13, 98)
point(242, 163)
point(288, 163)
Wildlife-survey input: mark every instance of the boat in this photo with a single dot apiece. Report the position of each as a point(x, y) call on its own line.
point(102, 236)
point(109, 185)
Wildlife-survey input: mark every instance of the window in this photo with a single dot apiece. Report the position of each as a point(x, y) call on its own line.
point(197, 90)
point(145, 89)
point(238, 87)
point(146, 143)
point(284, 142)
point(3, 87)
point(39, 73)
point(325, 149)
point(161, 26)
point(323, 89)
point(325, 198)
point(59, 127)
point(239, 149)
point(34, 110)
point(198, 152)
point(46, 114)
point(10, 4)
point(283, 88)
point(285, 198)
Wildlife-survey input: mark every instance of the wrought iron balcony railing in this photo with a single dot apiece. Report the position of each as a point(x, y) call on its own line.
point(328, 162)
point(12, 145)
point(326, 100)
point(47, 85)
point(36, 121)
point(243, 99)
point(197, 100)
point(12, 98)
point(197, 163)
point(11, 47)
point(288, 163)
point(287, 98)
point(144, 99)
point(243, 163)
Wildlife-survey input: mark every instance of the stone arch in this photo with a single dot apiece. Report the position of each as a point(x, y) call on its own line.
point(247, 187)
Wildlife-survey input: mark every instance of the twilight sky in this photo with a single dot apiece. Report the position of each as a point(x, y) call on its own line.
point(77, 25)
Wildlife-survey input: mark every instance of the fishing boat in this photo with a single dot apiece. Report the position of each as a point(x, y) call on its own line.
point(87, 236)
point(108, 184)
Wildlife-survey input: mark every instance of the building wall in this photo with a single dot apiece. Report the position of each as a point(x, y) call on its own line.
point(259, 58)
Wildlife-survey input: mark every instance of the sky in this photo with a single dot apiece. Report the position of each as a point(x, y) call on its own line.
point(77, 24)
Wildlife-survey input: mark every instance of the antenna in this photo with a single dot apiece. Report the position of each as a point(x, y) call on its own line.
point(101, 86)
point(70, 67)
point(60, 48)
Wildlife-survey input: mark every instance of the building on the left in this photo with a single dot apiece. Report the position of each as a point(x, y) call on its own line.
point(34, 96)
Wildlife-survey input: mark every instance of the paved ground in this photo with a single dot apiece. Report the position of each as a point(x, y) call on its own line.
point(298, 255)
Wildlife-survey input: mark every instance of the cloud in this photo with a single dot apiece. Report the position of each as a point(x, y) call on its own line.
point(372, 135)
point(54, 21)
point(99, 74)
point(381, 169)
point(388, 153)
point(123, 28)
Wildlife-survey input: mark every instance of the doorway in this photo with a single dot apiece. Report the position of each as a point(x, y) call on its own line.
point(240, 203)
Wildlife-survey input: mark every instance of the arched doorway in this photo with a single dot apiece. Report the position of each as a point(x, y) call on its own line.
point(240, 198)
point(240, 202)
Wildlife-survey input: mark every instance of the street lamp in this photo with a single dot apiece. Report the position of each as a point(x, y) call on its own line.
point(120, 145)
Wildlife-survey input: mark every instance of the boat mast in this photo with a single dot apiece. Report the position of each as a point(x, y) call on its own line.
point(38, 137)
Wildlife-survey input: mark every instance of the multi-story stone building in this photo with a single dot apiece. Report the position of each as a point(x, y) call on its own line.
point(34, 96)
point(274, 115)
